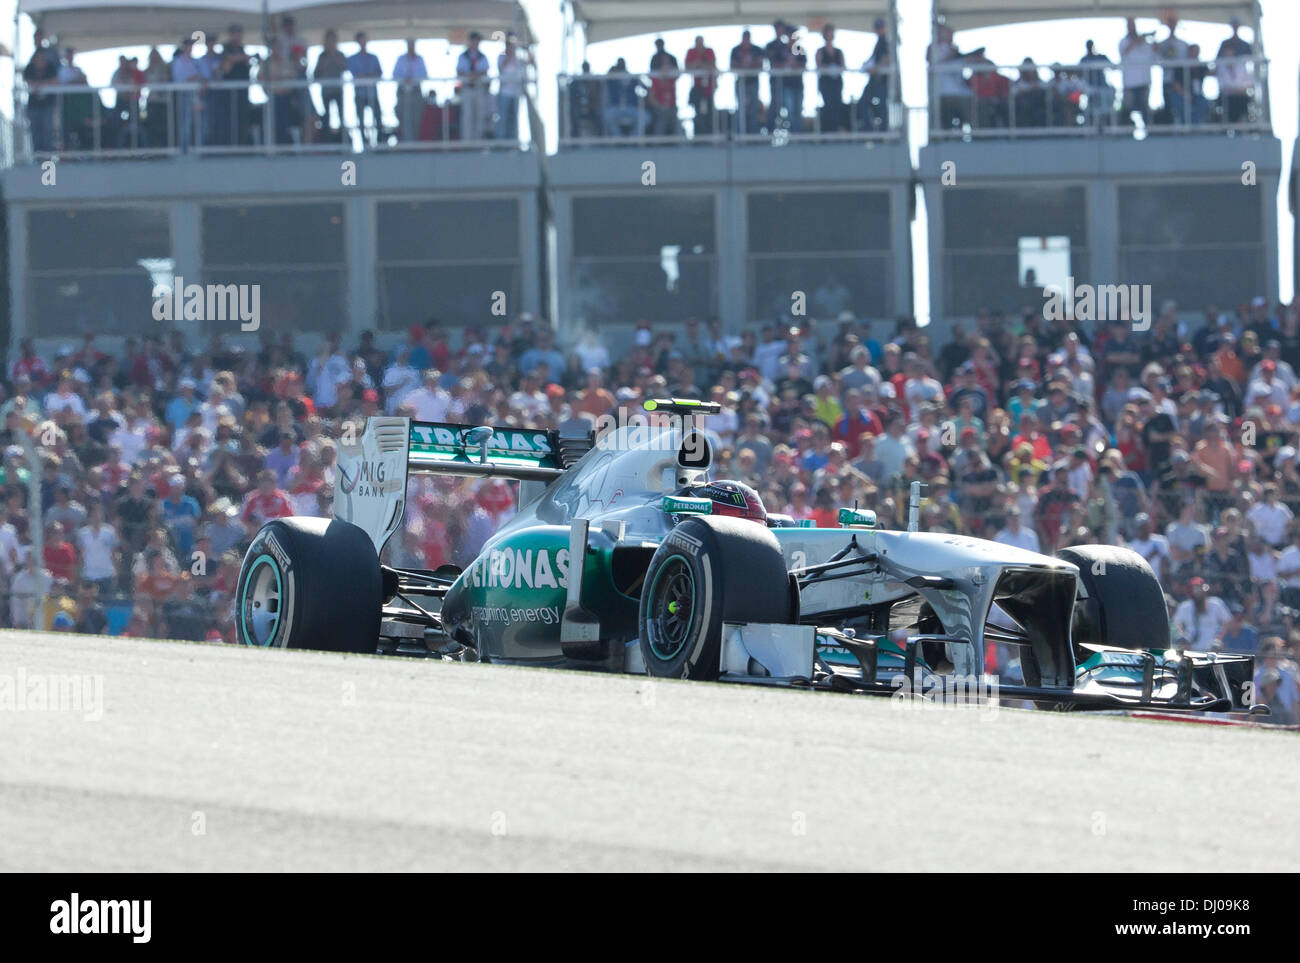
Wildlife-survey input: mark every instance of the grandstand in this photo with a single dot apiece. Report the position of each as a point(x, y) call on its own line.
point(275, 210)
point(432, 246)
point(1117, 196)
point(746, 226)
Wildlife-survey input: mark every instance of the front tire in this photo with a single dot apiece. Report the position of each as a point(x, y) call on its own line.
point(310, 583)
point(710, 570)
point(1121, 602)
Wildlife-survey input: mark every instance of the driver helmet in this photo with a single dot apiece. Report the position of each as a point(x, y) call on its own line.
point(733, 498)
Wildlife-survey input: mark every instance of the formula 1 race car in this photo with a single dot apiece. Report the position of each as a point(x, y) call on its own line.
point(625, 556)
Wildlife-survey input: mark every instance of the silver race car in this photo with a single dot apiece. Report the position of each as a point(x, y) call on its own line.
point(625, 555)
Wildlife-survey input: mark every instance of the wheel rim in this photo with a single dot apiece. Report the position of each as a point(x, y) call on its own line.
point(260, 609)
point(672, 609)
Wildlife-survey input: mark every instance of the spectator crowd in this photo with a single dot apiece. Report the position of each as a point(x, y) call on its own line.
point(304, 101)
point(153, 466)
point(195, 99)
point(621, 103)
point(970, 92)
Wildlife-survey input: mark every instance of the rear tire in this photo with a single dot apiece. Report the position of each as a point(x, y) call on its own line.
point(1124, 604)
point(710, 570)
point(310, 583)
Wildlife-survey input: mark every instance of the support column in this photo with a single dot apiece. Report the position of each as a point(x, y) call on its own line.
point(362, 252)
point(530, 256)
point(17, 239)
point(187, 241)
point(935, 237)
point(186, 221)
point(568, 326)
point(900, 242)
point(1102, 201)
point(733, 247)
point(1269, 185)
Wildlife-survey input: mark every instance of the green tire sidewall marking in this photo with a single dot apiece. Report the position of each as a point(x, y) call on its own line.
point(245, 635)
point(654, 587)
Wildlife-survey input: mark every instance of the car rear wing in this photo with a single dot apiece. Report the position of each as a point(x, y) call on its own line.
point(439, 448)
point(373, 466)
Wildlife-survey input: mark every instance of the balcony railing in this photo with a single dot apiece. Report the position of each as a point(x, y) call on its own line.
point(986, 100)
point(745, 106)
point(267, 117)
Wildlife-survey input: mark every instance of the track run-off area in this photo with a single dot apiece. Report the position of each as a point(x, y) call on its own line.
point(123, 754)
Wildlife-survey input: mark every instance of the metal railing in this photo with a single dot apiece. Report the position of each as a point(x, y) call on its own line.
point(266, 117)
point(983, 99)
point(746, 106)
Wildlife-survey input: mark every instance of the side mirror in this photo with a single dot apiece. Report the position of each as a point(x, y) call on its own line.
point(479, 438)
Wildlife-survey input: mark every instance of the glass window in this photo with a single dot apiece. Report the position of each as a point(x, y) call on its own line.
point(670, 287)
point(834, 246)
point(1196, 243)
point(454, 294)
point(993, 280)
point(257, 234)
point(862, 284)
point(447, 260)
point(819, 221)
point(96, 237)
point(1045, 261)
point(643, 226)
point(113, 303)
point(1189, 214)
point(448, 230)
point(987, 217)
point(1002, 245)
point(94, 269)
point(294, 253)
point(289, 298)
point(652, 257)
point(1224, 275)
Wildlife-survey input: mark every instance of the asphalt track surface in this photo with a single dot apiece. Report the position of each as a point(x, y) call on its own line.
point(219, 758)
